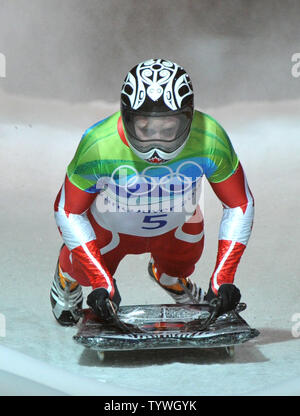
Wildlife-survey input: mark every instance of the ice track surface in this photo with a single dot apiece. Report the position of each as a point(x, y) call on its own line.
point(37, 141)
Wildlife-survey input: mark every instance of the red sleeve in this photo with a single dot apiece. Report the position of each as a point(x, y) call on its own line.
point(235, 227)
point(76, 200)
point(232, 192)
point(77, 232)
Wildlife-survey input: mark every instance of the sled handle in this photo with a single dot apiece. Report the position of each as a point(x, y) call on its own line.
point(117, 321)
point(215, 304)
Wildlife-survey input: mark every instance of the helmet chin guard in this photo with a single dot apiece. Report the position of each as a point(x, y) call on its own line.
point(157, 104)
point(157, 156)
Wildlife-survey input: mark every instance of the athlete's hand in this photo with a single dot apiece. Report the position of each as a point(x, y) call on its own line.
point(229, 295)
point(100, 302)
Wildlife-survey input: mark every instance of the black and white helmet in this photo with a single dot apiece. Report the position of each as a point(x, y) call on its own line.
point(157, 105)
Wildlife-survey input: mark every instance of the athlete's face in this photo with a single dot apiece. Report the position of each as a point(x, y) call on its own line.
point(155, 129)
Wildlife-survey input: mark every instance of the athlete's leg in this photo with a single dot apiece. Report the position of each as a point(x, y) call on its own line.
point(174, 256)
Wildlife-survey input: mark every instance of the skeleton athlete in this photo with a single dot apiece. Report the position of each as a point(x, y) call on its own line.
point(133, 187)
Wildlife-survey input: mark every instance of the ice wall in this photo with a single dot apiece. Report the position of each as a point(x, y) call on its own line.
point(81, 50)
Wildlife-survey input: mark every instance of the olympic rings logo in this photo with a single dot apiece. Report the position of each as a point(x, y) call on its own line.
point(155, 179)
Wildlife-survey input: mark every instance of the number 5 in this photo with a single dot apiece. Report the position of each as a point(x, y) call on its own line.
point(153, 220)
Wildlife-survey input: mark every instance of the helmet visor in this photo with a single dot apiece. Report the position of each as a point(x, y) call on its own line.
point(166, 132)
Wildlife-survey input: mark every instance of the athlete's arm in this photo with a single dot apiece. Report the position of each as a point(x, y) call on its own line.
point(235, 227)
point(70, 208)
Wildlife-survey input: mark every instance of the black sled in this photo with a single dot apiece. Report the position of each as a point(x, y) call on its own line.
point(148, 327)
